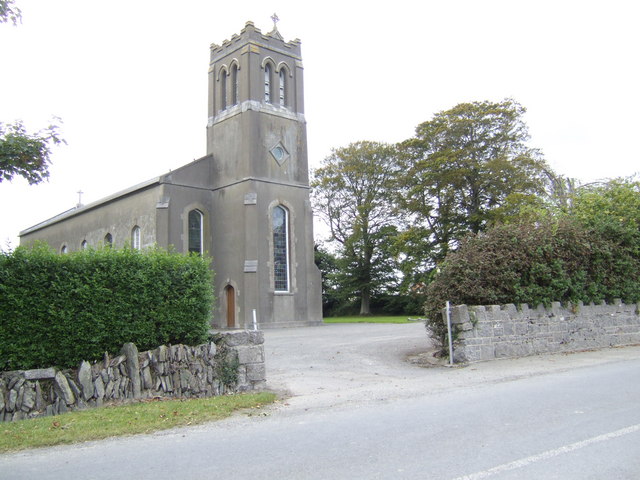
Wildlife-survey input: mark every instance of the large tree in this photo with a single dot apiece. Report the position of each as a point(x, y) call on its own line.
point(465, 169)
point(352, 192)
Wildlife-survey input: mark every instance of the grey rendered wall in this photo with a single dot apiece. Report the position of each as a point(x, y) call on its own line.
point(117, 217)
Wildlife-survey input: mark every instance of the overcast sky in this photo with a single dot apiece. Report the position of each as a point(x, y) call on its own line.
point(129, 80)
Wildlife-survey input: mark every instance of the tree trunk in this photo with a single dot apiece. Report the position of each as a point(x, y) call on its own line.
point(365, 301)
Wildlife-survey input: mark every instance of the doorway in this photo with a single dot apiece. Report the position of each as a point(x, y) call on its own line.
point(230, 294)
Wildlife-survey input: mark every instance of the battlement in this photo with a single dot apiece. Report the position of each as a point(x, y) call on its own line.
point(251, 34)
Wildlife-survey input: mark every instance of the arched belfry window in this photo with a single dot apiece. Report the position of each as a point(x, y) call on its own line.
point(195, 231)
point(280, 228)
point(223, 89)
point(234, 84)
point(282, 77)
point(267, 83)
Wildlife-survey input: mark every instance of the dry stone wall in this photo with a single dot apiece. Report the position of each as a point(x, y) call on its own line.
point(486, 333)
point(233, 362)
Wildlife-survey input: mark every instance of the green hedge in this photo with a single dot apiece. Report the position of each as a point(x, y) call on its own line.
point(557, 260)
point(60, 309)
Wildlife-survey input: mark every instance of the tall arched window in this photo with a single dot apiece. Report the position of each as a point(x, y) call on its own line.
point(223, 89)
point(195, 231)
point(84, 245)
point(282, 84)
point(267, 83)
point(64, 249)
point(234, 84)
point(108, 240)
point(280, 227)
point(135, 238)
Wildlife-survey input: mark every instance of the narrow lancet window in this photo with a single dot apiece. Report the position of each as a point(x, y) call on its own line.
point(283, 79)
point(234, 85)
point(135, 238)
point(223, 90)
point(267, 83)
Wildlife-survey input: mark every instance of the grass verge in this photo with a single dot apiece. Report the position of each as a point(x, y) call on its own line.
point(372, 319)
point(111, 421)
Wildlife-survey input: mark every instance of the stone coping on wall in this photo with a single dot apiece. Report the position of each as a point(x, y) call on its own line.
point(489, 332)
point(232, 362)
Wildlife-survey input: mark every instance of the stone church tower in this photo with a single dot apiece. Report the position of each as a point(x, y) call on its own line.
point(256, 134)
point(246, 203)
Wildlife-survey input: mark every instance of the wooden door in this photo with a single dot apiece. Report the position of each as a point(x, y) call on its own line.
point(231, 306)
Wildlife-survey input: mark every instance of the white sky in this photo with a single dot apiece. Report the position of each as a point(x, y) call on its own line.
point(129, 80)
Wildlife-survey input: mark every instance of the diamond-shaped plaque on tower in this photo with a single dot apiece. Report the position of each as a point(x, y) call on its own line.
point(279, 153)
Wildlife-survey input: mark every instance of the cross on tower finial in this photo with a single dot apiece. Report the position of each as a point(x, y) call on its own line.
point(275, 19)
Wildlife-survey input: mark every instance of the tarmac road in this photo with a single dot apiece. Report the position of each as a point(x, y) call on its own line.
point(356, 409)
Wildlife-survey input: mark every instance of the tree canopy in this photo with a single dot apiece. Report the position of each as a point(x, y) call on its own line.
point(9, 12)
point(352, 192)
point(465, 169)
point(22, 153)
point(26, 154)
point(610, 206)
point(468, 211)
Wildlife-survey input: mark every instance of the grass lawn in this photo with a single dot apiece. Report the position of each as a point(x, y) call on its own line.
point(372, 319)
point(143, 417)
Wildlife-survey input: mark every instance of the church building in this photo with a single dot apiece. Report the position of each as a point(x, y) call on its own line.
point(246, 203)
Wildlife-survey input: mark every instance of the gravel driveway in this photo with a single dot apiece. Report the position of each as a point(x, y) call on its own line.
point(339, 364)
point(333, 362)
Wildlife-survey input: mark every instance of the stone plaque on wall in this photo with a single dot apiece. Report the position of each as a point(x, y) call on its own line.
point(250, 266)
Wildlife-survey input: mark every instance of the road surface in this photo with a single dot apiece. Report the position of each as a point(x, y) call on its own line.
point(356, 409)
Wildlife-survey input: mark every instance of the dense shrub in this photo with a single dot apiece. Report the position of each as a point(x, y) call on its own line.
point(60, 309)
point(396, 304)
point(556, 260)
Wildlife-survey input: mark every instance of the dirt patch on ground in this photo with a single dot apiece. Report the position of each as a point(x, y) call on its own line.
point(427, 359)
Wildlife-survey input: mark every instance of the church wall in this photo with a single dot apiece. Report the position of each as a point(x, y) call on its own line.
point(231, 248)
point(181, 200)
point(239, 155)
point(302, 303)
point(280, 130)
point(244, 255)
point(91, 224)
point(196, 174)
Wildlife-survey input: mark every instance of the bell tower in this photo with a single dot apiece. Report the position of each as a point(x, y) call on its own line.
point(262, 229)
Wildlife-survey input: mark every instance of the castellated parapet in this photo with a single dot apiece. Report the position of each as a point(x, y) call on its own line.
point(251, 34)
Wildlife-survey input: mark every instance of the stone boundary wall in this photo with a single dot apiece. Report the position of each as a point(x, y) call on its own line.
point(486, 333)
point(174, 371)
